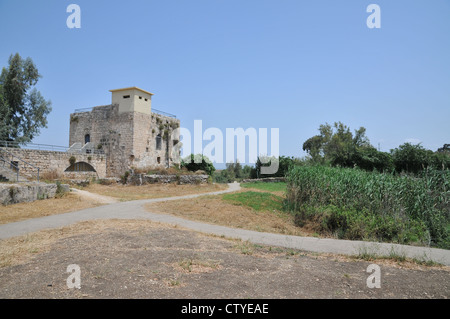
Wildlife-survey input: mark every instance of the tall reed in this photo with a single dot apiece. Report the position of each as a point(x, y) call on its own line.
point(417, 201)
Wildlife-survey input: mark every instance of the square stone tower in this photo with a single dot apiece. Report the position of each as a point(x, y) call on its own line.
point(132, 99)
point(127, 131)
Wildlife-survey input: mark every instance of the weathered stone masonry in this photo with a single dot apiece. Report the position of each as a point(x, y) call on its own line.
point(59, 162)
point(108, 140)
point(130, 135)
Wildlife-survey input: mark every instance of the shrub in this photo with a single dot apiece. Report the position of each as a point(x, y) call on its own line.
point(59, 190)
point(414, 159)
point(50, 175)
point(357, 204)
point(124, 177)
point(198, 162)
point(72, 160)
point(284, 163)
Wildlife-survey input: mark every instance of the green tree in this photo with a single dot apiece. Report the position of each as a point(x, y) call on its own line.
point(336, 144)
point(230, 171)
point(247, 171)
point(415, 158)
point(238, 169)
point(23, 110)
point(369, 158)
point(198, 162)
point(284, 163)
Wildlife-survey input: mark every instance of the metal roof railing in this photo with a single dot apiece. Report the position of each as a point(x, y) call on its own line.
point(34, 146)
point(86, 109)
point(89, 109)
point(163, 113)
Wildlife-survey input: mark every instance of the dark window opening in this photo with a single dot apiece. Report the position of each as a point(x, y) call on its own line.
point(146, 100)
point(126, 96)
point(80, 167)
point(158, 159)
point(87, 139)
point(140, 98)
point(158, 142)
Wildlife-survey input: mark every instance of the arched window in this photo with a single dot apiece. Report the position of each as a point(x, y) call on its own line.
point(80, 167)
point(87, 138)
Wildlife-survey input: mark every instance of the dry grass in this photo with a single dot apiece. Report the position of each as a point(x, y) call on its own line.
point(196, 265)
point(214, 210)
point(40, 208)
point(130, 192)
point(18, 250)
point(50, 176)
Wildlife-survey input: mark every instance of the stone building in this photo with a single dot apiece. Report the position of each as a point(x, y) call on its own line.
point(104, 141)
point(127, 132)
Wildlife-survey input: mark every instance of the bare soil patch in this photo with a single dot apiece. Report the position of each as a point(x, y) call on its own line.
point(141, 259)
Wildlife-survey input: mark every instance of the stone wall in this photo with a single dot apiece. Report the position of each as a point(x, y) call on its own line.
point(142, 179)
point(108, 130)
point(128, 139)
point(19, 193)
point(265, 180)
point(51, 162)
point(146, 130)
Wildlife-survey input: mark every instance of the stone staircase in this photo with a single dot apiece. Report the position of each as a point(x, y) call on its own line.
point(9, 175)
point(9, 164)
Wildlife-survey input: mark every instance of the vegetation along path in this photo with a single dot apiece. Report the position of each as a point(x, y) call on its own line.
point(135, 210)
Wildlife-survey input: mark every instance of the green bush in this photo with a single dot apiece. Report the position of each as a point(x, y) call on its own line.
point(124, 177)
point(414, 159)
point(198, 162)
point(284, 163)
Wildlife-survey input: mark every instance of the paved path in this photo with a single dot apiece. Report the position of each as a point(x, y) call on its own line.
point(135, 210)
point(95, 197)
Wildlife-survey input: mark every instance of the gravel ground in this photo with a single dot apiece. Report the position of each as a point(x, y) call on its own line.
point(170, 262)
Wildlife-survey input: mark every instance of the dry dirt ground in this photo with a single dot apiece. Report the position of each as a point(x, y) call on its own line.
point(142, 259)
point(214, 210)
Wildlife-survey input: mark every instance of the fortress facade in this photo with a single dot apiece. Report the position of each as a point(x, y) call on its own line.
point(104, 141)
point(127, 132)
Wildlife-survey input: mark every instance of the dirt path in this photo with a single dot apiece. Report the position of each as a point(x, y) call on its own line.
point(101, 199)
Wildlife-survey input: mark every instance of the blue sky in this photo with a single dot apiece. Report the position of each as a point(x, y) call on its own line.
point(286, 64)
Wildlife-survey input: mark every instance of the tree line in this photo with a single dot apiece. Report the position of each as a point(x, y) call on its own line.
point(337, 146)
